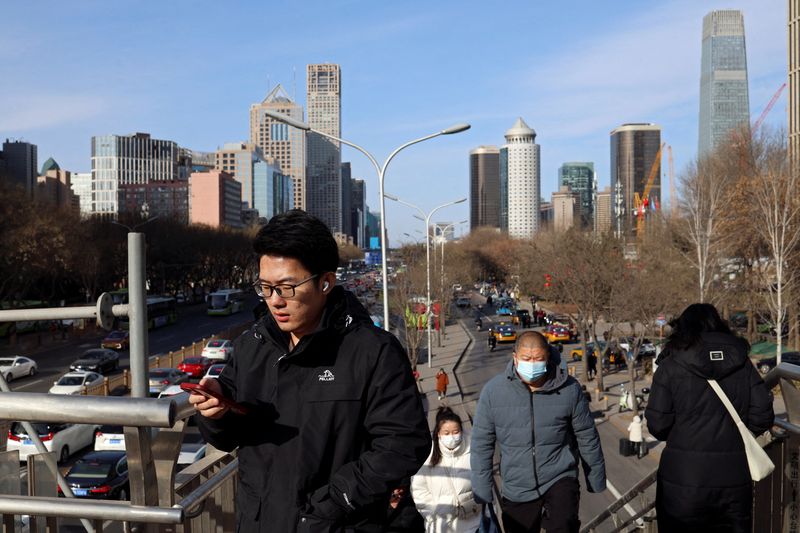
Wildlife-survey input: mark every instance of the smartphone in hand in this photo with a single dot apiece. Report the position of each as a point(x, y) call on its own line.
point(196, 388)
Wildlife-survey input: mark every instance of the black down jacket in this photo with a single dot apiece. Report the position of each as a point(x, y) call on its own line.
point(703, 479)
point(332, 427)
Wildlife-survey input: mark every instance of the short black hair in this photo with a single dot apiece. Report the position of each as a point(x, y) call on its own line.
point(301, 236)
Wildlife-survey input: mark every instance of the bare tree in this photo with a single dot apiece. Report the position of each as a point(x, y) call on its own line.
point(406, 301)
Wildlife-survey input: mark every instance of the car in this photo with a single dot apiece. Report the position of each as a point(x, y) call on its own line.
point(463, 301)
point(196, 367)
point(193, 448)
point(73, 382)
point(766, 364)
point(504, 332)
point(220, 349)
point(64, 439)
point(214, 370)
point(109, 437)
point(647, 348)
point(17, 366)
point(577, 353)
point(161, 378)
point(100, 475)
point(457, 287)
point(97, 360)
point(504, 311)
point(116, 340)
point(522, 315)
point(555, 334)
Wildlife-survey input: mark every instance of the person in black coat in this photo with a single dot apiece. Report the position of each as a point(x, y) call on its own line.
point(703, 479)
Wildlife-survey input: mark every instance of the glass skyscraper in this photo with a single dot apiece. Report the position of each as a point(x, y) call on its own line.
point(724, 100)
point(273, 191)
point(579, 176)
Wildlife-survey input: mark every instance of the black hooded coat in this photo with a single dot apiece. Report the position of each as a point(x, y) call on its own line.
point(332, 428)
point(703, 478)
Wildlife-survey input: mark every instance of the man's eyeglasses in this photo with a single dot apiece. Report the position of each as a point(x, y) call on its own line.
point(284, 290)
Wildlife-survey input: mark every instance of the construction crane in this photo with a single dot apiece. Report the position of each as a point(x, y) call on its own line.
point(673, 196)
point(767, 109)
point(642, 203)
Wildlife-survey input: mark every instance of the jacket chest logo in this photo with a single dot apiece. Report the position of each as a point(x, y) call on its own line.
point(326, 376)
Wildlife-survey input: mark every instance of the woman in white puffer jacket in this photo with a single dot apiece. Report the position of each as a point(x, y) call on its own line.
point(442, 489)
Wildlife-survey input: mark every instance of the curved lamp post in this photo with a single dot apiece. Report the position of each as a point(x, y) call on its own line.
point(426, 217)
point(381, 170)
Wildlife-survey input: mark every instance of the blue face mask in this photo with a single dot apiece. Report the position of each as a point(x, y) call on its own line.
point(530, 371)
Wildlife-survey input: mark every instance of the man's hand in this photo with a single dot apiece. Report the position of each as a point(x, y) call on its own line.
point(208, 407)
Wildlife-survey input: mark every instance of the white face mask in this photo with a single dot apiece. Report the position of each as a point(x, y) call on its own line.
point(450, 442)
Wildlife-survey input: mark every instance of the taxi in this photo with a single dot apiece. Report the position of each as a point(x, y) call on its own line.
point(505, 332)
point(555, 334)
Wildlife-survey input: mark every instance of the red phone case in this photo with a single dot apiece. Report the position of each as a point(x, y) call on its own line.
point(225, 402)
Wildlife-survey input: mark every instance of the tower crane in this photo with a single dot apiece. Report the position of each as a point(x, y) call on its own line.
point(642, 203)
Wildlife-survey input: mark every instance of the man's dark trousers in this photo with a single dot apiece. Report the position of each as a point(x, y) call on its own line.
point(556, 511)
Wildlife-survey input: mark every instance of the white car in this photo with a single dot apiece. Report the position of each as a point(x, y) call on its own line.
point(73, 382)
point(214, 370)
point(220, 349)
point(17, 366)
point(64, 439)
point(193, 449)
point(108, 437)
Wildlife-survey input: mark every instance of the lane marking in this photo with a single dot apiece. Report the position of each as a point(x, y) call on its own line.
point(627, 506)
point(17, 387)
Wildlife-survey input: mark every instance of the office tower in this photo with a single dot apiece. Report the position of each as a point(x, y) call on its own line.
point(579, 177)
point(81, 183)
point(633, 151)
point(523, 181)
point(21, 162)
point(503, 174)
point(280, 141)
point(273, 191)
point(724, 101)
point(484, 187)
point(794, 84)
point(133, 173)
point(603, 211)
point(54, 188)
point(566, 208)
point(347, 200)
point(546, 215)
point(323, 156)
point(216, 199)
point(358, 199)
point(237, 159)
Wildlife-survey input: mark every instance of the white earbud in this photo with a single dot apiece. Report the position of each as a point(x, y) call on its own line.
point(325, 286)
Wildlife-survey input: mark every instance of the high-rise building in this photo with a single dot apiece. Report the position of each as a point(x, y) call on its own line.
point(484, 187)
point(238, 159)
point(215, 199)
point(323, 156)
point(358, 201)
point(273, 191)
point(81, 183)
point(280, 141)
point(347, 199)
point(121, 162)
point(545, 215)
point(566, 208)
point(54, 188)
point(503, 175)
point(603, 211)
point(724, 101)
point(20, 160)
point(523, 180)
point(579, 176)
point(794, 84)
point(633, 151)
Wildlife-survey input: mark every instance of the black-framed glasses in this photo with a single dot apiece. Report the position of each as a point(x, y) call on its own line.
point(283, 290)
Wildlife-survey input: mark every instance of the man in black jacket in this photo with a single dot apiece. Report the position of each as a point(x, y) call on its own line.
point(334, 420)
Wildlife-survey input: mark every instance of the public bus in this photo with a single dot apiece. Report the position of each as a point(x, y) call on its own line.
point(160, 312)
point(225, 302)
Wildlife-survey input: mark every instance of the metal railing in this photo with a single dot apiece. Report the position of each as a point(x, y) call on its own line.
point(776, 498)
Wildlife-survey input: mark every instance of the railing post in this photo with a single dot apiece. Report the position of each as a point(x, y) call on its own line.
point(106, 389)
point(84, 390)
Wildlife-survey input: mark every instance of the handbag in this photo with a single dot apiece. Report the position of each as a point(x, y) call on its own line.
point(489, 522)
point(757, 459)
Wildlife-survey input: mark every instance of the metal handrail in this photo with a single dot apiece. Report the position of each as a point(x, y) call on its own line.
point(783, 370)
point(91, 509)
point(623, 500)
point(201, 493)
point(77, 409)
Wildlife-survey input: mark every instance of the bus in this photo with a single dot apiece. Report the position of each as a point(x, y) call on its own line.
point(225, 302)
point(160, 312)
point(6, 328)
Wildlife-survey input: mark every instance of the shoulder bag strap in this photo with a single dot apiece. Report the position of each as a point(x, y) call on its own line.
point(725, 401)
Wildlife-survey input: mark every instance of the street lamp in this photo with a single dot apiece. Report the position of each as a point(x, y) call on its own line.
point(381, 170)
point(427, 219)
point(443, 232)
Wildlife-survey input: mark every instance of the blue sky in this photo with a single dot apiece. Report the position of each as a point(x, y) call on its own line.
point(188, 71)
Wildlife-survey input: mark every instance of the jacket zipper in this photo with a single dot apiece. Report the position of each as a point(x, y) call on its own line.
point(533, 444)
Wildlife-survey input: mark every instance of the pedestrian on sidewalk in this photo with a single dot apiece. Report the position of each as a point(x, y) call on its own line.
point(534, 405)
point(703, 481)
point(635, 431)
point(442, 381)
point(442, 489)
point(592, 366)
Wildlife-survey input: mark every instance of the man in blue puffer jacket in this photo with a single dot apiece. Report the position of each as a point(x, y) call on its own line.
point(540, 418)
